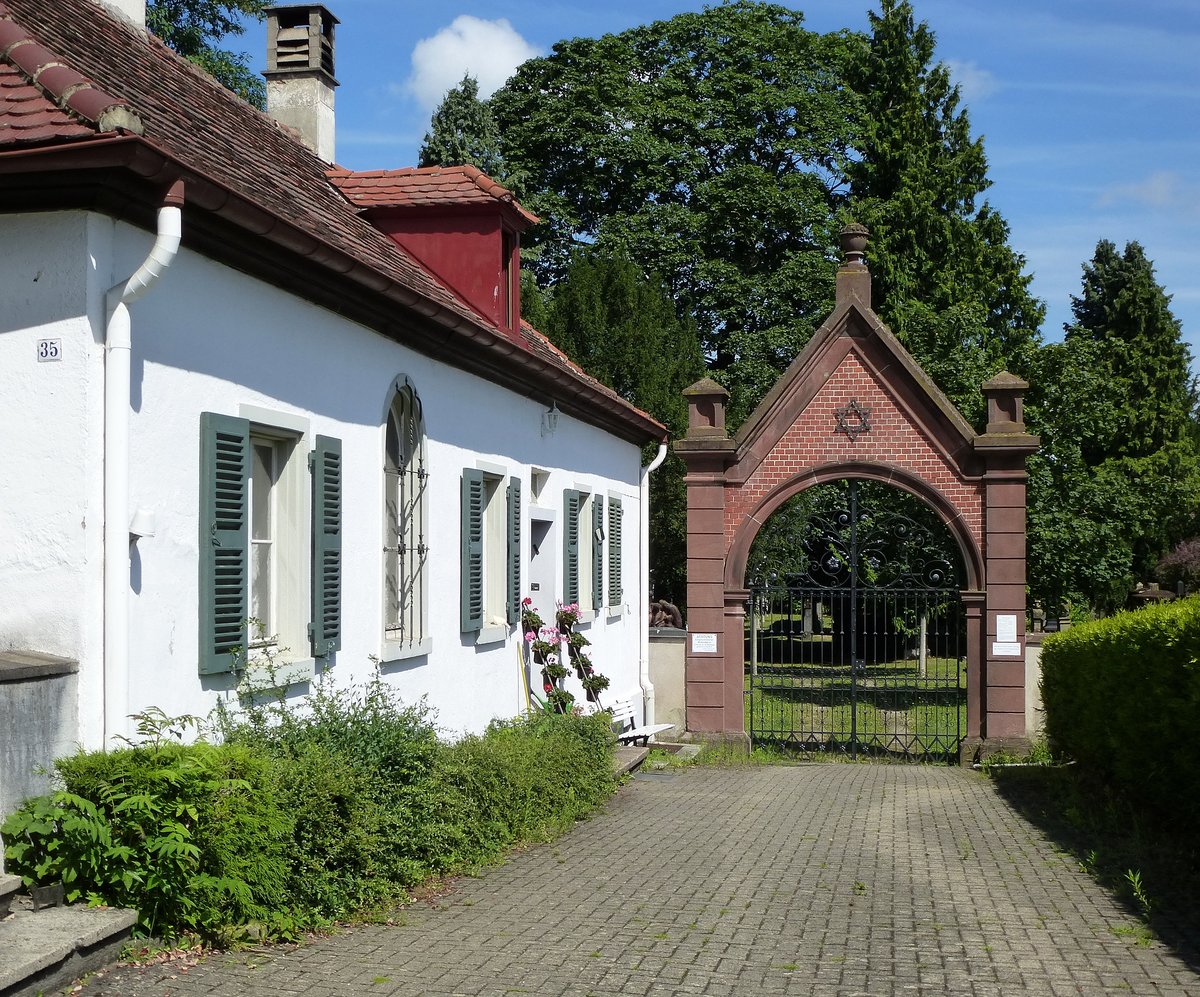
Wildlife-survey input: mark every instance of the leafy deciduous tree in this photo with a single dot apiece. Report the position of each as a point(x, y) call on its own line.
point(193, 27)
point(1117, 481)
point(711, 148)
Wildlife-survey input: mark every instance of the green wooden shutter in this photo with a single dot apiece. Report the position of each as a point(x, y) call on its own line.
point(571, 499)
point(514, 550)
point(615, 591)
point(224, 540)
point(597, 551)
point(325, 630)
point(472, 549)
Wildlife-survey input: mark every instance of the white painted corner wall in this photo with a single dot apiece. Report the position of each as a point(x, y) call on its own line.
point(211, 339)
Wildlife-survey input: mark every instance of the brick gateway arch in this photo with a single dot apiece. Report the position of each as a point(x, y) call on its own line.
point(855, 405)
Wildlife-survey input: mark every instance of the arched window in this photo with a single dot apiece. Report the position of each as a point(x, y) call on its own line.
point(405, 550)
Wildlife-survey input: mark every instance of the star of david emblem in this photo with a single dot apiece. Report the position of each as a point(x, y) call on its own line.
point(853, 420)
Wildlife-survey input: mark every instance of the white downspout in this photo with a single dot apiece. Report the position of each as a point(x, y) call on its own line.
point(644, 585)
point(118, 343)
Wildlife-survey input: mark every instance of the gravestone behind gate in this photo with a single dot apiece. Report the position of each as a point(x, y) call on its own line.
point(855, 405)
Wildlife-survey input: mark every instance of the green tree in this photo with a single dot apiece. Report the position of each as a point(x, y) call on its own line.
point(711, 148)
point(1117, 481)
point(621, 327)
point(944, 276)
point(194, 27)
point(463, 132)
point(1126, 314)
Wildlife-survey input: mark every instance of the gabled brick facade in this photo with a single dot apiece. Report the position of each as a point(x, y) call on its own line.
point(905, 433)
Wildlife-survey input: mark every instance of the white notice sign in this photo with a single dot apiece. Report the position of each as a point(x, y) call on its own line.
point(704, 643)
point(1004, 649)
point(1006, 628)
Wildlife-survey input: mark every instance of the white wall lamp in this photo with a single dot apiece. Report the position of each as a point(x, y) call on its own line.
point(550, 419)
point(142, 525)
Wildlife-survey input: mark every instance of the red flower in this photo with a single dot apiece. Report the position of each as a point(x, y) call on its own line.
point(527, 601)
point(547, 688)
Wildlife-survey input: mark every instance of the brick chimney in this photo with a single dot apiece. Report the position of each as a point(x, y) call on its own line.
point(299, 73)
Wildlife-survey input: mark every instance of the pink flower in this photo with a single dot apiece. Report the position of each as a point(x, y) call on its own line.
point(530, 637)
point(527, 601)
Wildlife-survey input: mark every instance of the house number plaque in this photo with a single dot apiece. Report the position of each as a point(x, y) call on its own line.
point(49, 350)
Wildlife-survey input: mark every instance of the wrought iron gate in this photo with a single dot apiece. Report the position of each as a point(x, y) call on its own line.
point(863, 649)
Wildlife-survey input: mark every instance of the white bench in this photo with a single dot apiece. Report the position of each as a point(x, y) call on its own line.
point(622, 711)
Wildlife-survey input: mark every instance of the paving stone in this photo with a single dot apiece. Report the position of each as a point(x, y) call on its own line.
point(826, 880)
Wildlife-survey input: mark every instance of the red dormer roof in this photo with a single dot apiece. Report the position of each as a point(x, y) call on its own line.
point(427, 187)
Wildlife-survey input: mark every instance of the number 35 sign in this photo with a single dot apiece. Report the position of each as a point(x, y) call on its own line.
point(49, 350)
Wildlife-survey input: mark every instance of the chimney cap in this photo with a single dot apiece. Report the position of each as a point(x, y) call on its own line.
point(300, 40)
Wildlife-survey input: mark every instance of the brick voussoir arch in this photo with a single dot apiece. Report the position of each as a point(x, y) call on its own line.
point(898, 477)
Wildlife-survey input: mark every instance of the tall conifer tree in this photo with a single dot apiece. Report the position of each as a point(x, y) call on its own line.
point(621, 327)
point(944, 276)
point(463, 132)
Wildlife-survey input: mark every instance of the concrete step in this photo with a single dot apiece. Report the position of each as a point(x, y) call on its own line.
point(45, 950)
point(10, 886)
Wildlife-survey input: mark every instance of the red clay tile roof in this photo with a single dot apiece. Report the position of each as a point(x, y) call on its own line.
point(28, 115)
point(200, 123)
point(427, 186)
point(62, 62)
point(545, 349)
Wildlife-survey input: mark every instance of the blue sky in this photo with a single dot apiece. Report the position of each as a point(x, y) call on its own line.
point(1089, 109)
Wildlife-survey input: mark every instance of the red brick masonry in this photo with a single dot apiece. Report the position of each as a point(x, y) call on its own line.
point(916, 441)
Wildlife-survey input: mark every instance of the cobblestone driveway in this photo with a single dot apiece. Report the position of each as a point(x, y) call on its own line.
point(818, 879)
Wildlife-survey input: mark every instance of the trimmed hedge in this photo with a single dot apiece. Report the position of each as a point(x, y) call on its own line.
point(302, 816)
point(1122, 697)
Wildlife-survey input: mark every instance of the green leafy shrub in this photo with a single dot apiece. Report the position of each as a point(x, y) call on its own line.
point(1122, 697)
point(190, 835)
point(302, 814)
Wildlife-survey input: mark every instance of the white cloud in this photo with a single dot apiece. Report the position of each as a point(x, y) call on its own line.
point(1160, 189)
point(975, 82)
point(487, 50)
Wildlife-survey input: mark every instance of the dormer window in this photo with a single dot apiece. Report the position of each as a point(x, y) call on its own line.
point(458, 223)
point(508, 278)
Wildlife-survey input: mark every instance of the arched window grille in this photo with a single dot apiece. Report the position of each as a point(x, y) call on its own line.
point(405, 551)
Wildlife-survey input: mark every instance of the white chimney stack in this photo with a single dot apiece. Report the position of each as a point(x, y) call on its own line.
point(131, 10)
point(299, 73)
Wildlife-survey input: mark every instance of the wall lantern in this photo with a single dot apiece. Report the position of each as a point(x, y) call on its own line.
point(550, 419)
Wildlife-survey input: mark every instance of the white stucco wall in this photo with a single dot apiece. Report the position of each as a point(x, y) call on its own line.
point(51, 492)
point(209, 339)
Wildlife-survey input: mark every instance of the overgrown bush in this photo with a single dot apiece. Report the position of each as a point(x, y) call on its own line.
point(1122, 697)
point(192, 836)
point(302, 814)
point(1181, 565)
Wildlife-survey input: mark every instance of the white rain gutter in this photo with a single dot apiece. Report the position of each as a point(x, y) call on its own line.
point(644, 586)
point(118, 344)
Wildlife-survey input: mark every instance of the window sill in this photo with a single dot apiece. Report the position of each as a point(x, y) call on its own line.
point(586, 618)
point(615, 612)
point(280, 675)
point(491, 635)
point(393, 651)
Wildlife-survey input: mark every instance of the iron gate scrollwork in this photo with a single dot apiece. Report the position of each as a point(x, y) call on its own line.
point(862, 649)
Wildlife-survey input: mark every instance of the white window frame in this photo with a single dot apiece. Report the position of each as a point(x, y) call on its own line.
point(280, 655)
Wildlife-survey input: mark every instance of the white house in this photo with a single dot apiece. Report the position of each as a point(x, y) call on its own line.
point(240, 382)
